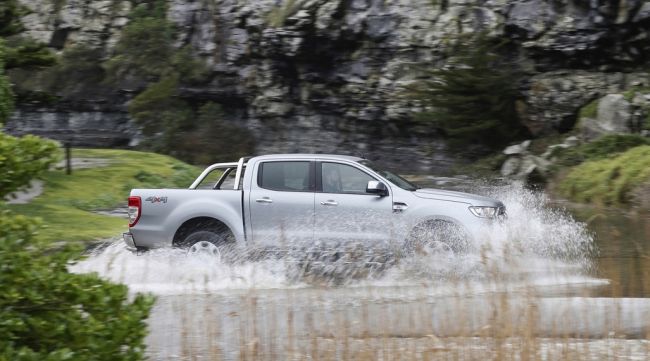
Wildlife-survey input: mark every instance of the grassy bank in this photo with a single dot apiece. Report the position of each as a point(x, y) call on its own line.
point(68, 203)
point(612, 181)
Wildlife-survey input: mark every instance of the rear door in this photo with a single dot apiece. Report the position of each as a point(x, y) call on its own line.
point(344, 211)
point(282, 202)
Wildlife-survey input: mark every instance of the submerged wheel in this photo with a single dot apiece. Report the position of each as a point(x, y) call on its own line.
point(438, 236)
point(208, 243)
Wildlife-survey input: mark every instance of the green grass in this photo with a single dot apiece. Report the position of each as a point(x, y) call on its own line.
point(601, 148)
point(67, 202)
point(608, 181)
point(589, 111)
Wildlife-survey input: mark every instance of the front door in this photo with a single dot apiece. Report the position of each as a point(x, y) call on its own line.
point(282, 203)
point(344, 211)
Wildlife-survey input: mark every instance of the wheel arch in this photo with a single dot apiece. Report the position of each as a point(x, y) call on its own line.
point(201, 223)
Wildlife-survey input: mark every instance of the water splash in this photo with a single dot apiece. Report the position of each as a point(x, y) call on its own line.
point(537, 245)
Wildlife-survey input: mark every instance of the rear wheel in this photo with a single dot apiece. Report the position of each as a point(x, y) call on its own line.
point(212, 243)
point(438, 236)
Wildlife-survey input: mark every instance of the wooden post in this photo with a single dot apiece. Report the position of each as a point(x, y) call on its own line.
point(68, 161)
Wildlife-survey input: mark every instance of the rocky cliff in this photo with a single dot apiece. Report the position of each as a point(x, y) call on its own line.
point(330, 75)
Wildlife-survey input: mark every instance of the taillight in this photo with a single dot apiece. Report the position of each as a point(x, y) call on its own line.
point(135, 209)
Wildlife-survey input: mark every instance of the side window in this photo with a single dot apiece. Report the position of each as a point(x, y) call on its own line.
point(284, 176)
point(341, 178)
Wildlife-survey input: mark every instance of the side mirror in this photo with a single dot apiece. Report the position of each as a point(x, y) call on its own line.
point(378, 188)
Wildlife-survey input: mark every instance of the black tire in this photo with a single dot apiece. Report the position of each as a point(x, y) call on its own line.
point(204, 241)
point(438, 235)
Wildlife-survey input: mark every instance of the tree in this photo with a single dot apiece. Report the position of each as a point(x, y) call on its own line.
point(46, 312)
point(473, 99)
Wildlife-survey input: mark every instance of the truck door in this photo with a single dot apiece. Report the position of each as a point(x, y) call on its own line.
point(282, 202)
point(344, 211)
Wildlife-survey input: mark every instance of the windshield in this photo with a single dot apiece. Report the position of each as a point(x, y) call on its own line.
point(392, 177)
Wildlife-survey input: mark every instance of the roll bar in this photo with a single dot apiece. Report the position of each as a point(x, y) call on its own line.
point(240, 166)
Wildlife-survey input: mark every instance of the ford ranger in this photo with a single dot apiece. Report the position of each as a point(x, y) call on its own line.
point(275, 201)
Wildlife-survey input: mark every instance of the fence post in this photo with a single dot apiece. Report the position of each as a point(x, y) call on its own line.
point(68, 161)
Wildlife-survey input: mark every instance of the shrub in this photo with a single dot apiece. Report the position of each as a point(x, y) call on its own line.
point(10, 12)
point(473, 100)
point(47, 313)
point(25, 52)
point(77, 73)
point(160, 113)
point(214, 139)
point(22, 159)
point(145, 46)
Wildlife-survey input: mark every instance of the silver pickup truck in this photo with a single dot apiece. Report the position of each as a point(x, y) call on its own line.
point(290, 200)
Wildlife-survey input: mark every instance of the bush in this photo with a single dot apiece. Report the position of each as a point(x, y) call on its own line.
point(144, 49)
point(214, 139)
point(10, 11)
point(77, 73)
point(160, 113)
point(22, 159)
point(26, 52)
point(47, 313)
point(473, 100)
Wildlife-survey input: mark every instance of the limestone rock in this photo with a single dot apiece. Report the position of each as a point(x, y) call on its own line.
point(517, 148)
point(334, 73)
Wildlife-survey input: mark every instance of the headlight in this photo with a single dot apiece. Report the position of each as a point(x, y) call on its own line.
point(484, 212)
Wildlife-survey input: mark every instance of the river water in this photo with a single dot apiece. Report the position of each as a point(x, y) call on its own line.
point(548, 284)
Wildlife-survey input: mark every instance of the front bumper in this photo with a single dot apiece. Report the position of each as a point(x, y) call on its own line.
point(128, 240)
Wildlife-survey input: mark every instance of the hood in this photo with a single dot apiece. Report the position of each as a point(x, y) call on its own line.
point(473, 199)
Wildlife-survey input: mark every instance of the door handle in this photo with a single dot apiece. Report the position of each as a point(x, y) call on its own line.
point(264, 200)
point(329, 203)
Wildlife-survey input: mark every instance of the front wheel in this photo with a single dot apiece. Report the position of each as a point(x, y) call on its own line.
point(438, 236)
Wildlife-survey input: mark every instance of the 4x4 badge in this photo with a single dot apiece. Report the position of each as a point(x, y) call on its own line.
point(156, 199)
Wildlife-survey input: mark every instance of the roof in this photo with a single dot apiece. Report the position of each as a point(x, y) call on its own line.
point(307, 156)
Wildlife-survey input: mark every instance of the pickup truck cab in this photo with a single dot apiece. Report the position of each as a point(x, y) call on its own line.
point(289, 200)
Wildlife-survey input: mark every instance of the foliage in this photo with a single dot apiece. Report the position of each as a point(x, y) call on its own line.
point(144, 49)
point(601, 148)
point(10, 11)
point(216, 139)
point(22, 159)
point(473, 100)
point(47, 313)
point(6, 95)
point(160, 113)
point(78, 72)
point(608, 181)
point(173, 127)
point(26, 52)
point(68, 201)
